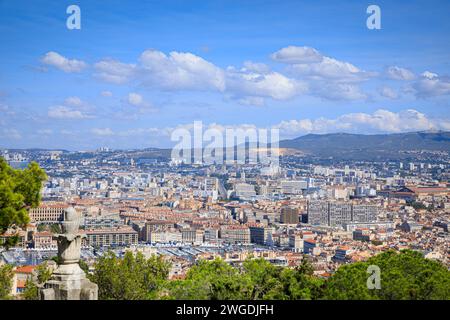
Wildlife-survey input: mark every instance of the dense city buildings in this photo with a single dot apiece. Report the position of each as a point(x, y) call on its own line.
point(331, 211)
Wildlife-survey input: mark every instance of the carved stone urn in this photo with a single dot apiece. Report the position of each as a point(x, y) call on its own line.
point(68, 281)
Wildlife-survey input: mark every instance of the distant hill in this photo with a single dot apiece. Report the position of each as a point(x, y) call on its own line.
point(366, 147)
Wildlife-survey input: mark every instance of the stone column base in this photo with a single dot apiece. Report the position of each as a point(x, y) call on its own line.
point(69, 282)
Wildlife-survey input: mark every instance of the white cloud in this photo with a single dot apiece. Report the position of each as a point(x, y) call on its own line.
point(180, 71)
point(431, 85)
point(114, 71)
point(135, 99)
point(380, 121)
point(256, 67)
point(398, 73)
point(73, 102)
point(326, 77)
point(307, 72)
point(331, 69)
point(186, 71)
point(6, 110)
point(63, 112)
point(251, 101)
point(429, 75)
point(245, 83)
point(106, 94)
point(67, 65)
point(388, 92)
point(102, 131)
point(297, 55)
point(339, 91)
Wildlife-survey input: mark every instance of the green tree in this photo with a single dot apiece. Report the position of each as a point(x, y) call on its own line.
point(19, 191)
point(404, 276)
point(84, 266)
point(131, 278)
point(6, 281)
point(212, 280)
point(264, 277)
point(42, 274)
point(297, 284)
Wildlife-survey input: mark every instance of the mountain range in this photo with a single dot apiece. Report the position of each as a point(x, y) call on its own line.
point(365, 147)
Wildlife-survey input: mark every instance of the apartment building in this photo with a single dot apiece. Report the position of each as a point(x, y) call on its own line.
point(111, 237)
point(235, 234)
point(333, 213)
point(48, 213)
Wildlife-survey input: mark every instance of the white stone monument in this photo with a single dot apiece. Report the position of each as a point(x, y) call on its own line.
point(68, 281)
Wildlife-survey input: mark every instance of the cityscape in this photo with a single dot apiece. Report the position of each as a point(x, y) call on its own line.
point(173, 165)
point(332, 214)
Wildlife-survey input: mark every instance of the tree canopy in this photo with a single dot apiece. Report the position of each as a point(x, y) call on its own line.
point(404, 276)
point(132, 277)
point(19, 191)
point(6, 281)
point(256, 279)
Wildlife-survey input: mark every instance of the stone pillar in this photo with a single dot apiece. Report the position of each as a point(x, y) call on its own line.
point(68, 281)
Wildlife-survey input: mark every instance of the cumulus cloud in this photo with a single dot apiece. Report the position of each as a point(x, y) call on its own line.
point(398, 73)
point(58, 61)
point(180, 70)
point(381, 121)
point(326, 77)
point(72, 108)
point(339, 91)
point(331, 69)
point(249, 84)
point(388, 92)
point(114, 71)
point(256, 67)
point(297, 55)
point(63, 112)
point(431, 85)
point(307, 71)
point(186, 71)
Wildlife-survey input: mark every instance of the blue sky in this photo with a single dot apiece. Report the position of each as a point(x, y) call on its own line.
point(138, 69)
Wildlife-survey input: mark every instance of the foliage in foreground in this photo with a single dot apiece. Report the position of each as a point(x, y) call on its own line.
point(6, 281)
point(43, 273)
point(405, 275)
point(257, 279)
point(19, 191)
point(132, 278)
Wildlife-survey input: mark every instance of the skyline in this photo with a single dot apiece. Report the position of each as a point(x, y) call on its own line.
point(293, 66)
